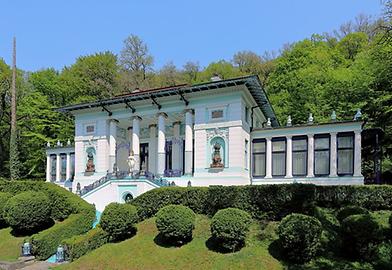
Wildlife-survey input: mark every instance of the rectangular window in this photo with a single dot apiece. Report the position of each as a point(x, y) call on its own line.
point(90, 129)
point(246, 154)
point(321, 154)
point(259, 157)
point(246, 114)
point(300, 155)
point(345, 149)
point(278, 156)
point(217, 114)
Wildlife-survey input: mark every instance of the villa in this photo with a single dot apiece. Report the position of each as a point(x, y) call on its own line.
point(223, 132)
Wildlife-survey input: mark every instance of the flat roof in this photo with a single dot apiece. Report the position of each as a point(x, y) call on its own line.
point(252, 83)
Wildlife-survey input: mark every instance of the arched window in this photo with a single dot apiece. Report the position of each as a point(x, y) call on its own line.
point(128, 197)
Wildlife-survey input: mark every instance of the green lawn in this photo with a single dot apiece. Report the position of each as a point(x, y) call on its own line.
point(9, 245)
point(141, 252)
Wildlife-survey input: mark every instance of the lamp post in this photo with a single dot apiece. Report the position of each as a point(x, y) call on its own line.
point(26, 249)
point(60, 254)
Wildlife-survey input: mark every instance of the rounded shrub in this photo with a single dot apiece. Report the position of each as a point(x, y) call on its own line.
point(350, 211)
point(28, 211)
point(4, 197)
point(300, 237)
point(360, 235)
point(229, 228)
point(118, 220)
point(175, 223)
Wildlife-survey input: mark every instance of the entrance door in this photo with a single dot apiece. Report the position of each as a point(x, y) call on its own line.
point(143, 157)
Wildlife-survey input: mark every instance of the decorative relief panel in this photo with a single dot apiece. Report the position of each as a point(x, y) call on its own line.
point(217, 132)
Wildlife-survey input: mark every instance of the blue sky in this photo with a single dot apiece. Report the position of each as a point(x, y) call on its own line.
point(54, 33)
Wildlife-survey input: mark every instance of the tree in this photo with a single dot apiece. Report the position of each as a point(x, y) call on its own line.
point(190, 70)
point(14, 155)
point(135, 60)
point(169, 75)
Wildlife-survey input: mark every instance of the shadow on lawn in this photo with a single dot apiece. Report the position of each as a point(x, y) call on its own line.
point(162, 241)
point(216, 246)
point(20, 233)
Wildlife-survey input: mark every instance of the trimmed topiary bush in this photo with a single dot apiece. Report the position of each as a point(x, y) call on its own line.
point(4, 197)
point(300, 237)
point(28, 211)
point(118, 220)
point(360, 234)
point(79, 245)
point(175, 223)
point(350, 211)
point(229, 228)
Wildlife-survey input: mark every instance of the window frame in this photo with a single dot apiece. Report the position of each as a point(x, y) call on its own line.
point(319, 136)
point(278, 139)
point(298, 138)
point(345, 134)
point(246, 154)
point(259, 153)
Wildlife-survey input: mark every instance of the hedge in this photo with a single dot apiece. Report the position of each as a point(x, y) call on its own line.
point(264, 201)
point(46, 242)
point(78, 246)
point(4, 197)
point(77, 215)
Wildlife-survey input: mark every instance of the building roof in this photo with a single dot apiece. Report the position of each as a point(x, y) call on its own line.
point(252, 83)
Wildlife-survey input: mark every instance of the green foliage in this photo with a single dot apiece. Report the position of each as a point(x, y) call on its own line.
point(229, 228)
point(300, 237)
point(118, 220)
point(175, 223)
point(4, 197)
point(383, 256)
point(349, 211)
point(361, 234)
point(46, 242)
point(80, 245)
point(27, 212)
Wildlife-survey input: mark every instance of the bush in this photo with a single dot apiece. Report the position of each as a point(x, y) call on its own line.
point(28, 211)
point(383, 256)
point(4, 197)
point(118, 220)
point(80, 245)
point(176, 223)
point(350, 211)
point(300, 237)
point(360, 235)
point(229, 228)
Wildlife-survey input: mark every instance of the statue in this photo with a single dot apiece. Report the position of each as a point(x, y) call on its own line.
point(216, 157)
point(90, 167)
point(131, 162)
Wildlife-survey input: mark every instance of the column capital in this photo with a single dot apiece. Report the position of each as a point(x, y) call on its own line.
point(162, 114)
point(358, 132)
point(152, 126)
point(136, 117)
point(112, 120)
point(334, 133)
point(192, 111)
point(289, 136)
point(176, 123)
point(129, 128)
point(310, 135)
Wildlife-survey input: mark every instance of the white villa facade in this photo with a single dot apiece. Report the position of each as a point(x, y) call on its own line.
point(223, 132)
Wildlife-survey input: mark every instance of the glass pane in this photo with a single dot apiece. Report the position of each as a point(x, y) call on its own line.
point(278, 146)
point(299, 163)
point(346, 142)
point(300, 144)
point(259, 165)
point(258, 147)
point(278, 164)
point(321, 162)
point(321, 143)
point(345, 161)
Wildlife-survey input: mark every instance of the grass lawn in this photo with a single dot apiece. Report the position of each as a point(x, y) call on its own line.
point(141, 252)
point(9, 245)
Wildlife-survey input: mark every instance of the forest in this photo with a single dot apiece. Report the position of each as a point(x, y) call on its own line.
point(343, 70)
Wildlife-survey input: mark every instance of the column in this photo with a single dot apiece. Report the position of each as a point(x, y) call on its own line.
point(68, 167)
point(176, 147)
point(112, 144)
point(48, 168)
point(268, 168)
point(188, 142)
point(333, 156)
point(152, 149)
point(357, 154)
point(58, 167)
point(135, 140)
point(289, 157)
point(310, 155)
point(161, 143)
point(130, 131)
